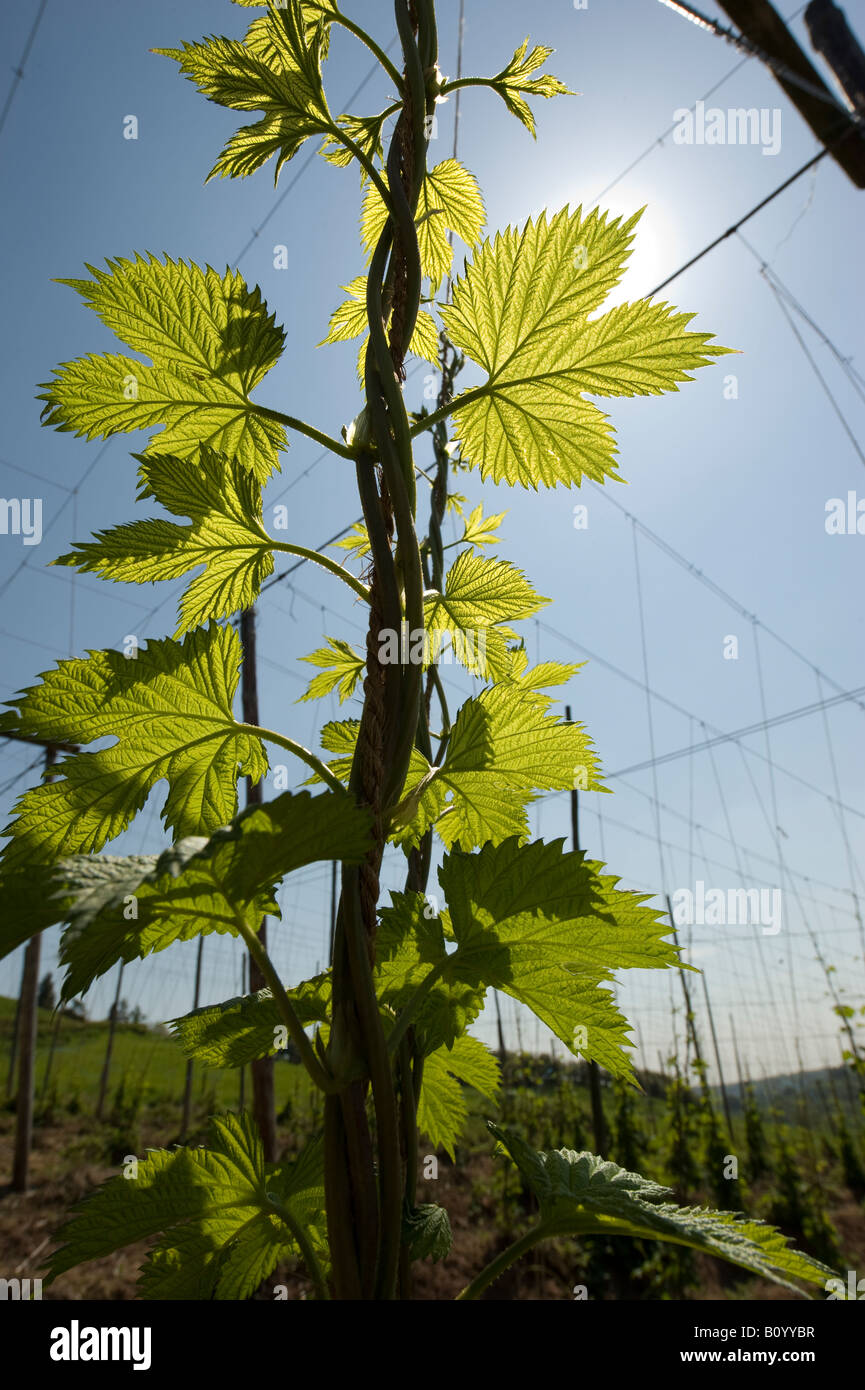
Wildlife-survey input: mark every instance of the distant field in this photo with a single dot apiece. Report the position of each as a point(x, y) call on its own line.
point(144, 1059)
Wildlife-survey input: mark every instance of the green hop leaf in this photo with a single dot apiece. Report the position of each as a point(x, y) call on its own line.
point(226, 536)
point(521, 312)
point(516, 79)
point(277, 70)
point(211, 341)
point(449, 200)
point(580, 1194)
point(169, 712)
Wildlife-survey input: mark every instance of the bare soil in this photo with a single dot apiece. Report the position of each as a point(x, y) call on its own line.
point(70, 1158)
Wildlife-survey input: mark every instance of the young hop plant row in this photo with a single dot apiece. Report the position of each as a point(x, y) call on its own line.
point(384, 1032)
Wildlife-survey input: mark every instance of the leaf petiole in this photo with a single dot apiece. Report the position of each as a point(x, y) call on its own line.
point(319, 1075)
point(373, 47)
point(407, 1015)
point(310, 1258)
point(291, 422)
point(502, 1261)
point(292, 746)
point(332, 566)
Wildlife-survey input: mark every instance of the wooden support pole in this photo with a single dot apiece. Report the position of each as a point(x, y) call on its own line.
point(244, 962)
point(263, 1094)
point(835, 41)
point(738, 1062)
point(26, 1065)
point(724, 1096)
point(13, 1045)
point(109, 1046)
point(334, 901)
point(690, 1022)
point(27, 1032)
point(599, 1126)
point(848, 1080)
point(186, 1118)
point(759, 22)
point(499, 1027)
point(804, 1107)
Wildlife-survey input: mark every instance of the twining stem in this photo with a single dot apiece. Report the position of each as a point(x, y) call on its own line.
point(408, 1119)
point(343, 1252)
point(361, 1168)
point(292, 746)
point(398, 470)
point(384, 1098)
point(387, 586)
point(310, 1258)
point(333, 566)
point(501, 1263)
point(322, 1079)
point(410, 1091)
point(365, 162)
point(392, 697)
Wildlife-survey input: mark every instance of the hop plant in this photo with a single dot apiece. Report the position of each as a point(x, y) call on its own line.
point(383, 1033)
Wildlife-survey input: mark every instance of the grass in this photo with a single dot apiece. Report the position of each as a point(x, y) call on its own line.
point(547, 1103)
point(146, 1060)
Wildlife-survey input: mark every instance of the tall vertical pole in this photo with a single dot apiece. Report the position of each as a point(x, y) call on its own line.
point(499, 1026)
point(738, 1062)
point(242, 1078)
point(848, 1080)
point(804, 1107)
point(599, 1127)
point(649, 1109)
point(263, 1097)
point(334, 899)
point(833, 38)
point(724, 1096)
point(27, 1045)
point(690, 1022)
point(13, 1049)
point(758, 21)
point(190, 1065)
point(109, 1046)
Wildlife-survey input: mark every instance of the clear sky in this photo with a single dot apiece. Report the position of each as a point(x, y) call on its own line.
point(735, 478)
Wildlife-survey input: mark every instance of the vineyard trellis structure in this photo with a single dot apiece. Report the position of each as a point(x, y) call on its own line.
point(778, 1007)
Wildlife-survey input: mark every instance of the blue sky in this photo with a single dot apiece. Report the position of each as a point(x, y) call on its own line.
point(738, 487)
